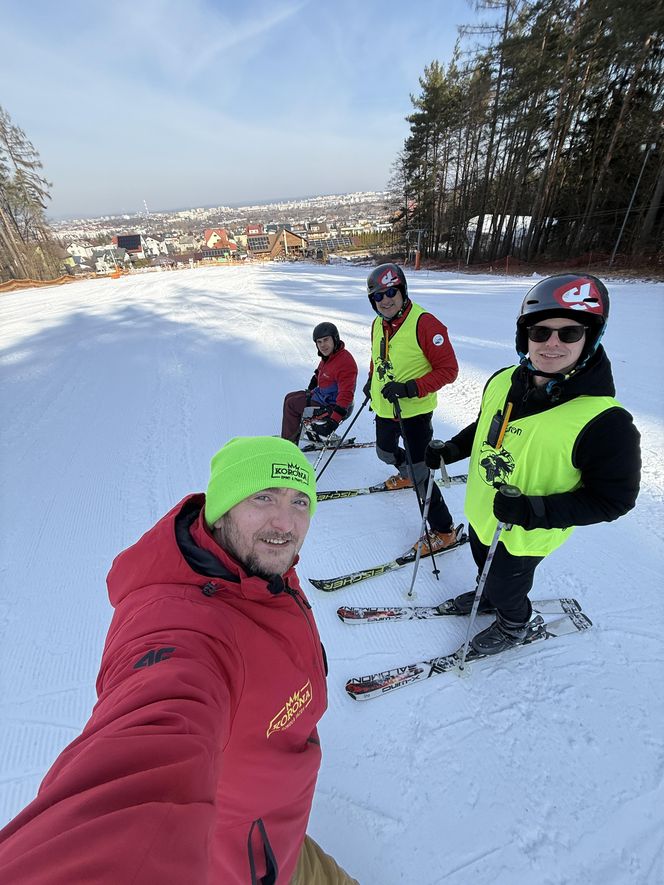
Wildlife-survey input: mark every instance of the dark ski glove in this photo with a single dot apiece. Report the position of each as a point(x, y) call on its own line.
point(324, 426)
point(449, 454)
point(395, 390)
point(514, 511)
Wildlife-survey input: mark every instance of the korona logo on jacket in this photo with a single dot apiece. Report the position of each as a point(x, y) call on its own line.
point(289, 471)
point(292, 709)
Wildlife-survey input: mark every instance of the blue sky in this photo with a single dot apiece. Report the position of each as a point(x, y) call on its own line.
point(206, 102)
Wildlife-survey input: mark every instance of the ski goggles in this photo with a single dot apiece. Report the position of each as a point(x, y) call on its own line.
point(567, 334)
point(387, 293)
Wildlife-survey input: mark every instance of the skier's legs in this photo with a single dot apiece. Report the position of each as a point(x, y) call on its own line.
point(509, 581)
point(419, 431)
point(294, 405)
point(387, 444)
point(315, 867)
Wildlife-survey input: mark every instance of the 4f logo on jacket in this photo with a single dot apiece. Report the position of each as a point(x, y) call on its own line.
point(154, 657)
point(292, 709)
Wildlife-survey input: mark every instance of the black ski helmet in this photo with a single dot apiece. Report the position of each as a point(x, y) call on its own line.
point(580, 297)
point(322, 330)
point(386, 276)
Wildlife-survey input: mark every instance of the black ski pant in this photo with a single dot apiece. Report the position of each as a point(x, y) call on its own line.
point(418, 431)
point(509, 581)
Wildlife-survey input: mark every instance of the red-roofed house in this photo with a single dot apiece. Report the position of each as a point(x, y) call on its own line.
point(216, 238)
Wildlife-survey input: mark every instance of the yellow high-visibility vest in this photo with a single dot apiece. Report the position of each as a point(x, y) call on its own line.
point(535, 455)
point(405, 361)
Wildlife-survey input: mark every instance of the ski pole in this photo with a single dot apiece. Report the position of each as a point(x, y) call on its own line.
point(444, 475)
point(409, 461)
point(437, 446)
point(510, 492)
point(338, 445)
point(326, 446)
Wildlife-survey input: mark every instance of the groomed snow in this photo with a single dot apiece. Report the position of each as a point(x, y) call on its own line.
point(543, 767)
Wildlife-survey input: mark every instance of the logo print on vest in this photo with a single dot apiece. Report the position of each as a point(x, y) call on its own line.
point(495, 467)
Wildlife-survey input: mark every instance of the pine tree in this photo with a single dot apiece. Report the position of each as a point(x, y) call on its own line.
point(26, 247)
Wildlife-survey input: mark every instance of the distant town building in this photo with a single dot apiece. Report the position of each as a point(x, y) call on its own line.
point(133, 243)
point(216, 238)
point(283, 243)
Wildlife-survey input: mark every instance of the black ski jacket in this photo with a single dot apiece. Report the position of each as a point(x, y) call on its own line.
point(607, 450)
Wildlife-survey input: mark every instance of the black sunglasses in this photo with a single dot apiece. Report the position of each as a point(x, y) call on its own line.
point(388, 293)
point(568, 334)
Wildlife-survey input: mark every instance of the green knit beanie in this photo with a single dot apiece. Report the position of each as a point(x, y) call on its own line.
point(248, 464)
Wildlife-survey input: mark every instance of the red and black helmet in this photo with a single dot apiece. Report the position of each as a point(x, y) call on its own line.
point(384, 277)
point(580, 297)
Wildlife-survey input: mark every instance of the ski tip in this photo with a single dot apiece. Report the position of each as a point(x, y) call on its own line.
point(582, 620)
point(354, 690)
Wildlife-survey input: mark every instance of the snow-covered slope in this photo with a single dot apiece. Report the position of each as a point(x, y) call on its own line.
point(544, 766)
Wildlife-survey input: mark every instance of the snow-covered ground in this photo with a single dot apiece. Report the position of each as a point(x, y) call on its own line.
point(543, 767)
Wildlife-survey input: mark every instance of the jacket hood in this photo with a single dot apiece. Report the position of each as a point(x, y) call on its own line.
point(179, 550)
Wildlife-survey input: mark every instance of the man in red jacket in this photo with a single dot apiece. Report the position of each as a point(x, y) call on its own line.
point(330, 392)
point(199, 761)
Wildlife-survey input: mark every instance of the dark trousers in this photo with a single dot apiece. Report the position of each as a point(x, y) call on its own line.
point(418, 431)
point(291, 422)
point(509, 581)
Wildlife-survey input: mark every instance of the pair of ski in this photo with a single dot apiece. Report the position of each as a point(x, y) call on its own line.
point(361, 688)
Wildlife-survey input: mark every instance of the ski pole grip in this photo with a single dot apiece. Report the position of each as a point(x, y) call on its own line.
point(509, 492)
point(434, 454)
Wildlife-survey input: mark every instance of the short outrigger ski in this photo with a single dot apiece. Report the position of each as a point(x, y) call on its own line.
point(363, 688)
point(347, 444)
point(336, 494)
point(329, 584)
point(355, 614)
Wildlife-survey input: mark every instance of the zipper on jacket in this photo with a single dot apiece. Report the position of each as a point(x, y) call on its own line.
point(272, 869)
point(300, 600)
point(303, 605)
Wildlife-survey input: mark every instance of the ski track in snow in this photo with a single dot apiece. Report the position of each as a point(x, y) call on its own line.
point(544, 766)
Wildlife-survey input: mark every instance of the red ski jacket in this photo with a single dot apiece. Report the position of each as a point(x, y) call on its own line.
point(333, 383)
point(199, 762)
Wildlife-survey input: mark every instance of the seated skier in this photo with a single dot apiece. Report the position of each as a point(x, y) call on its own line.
point(329, 396)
